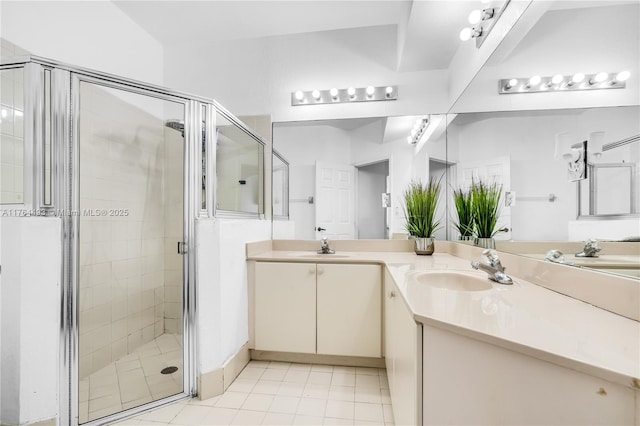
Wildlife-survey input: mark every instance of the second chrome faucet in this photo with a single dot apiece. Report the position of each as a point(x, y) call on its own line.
point(493, 267)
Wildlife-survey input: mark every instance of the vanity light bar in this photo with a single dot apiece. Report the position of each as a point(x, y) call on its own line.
point(351, 94)
point(560, 83)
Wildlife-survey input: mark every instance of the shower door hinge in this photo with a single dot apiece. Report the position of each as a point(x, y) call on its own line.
point(182, 247)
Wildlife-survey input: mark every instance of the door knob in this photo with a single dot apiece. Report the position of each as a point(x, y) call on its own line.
point(319, 229)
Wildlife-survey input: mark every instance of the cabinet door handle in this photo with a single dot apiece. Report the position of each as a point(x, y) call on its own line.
point(320, 270)
point(312, 270)
point(392, 294)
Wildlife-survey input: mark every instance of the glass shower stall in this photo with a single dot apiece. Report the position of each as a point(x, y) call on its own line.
point(126, 167)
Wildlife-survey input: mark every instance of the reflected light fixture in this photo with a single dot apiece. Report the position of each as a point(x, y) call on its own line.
point(574, 154)
point(483, 22)
point(559, 82)
point(351, 94)
point(418, 130)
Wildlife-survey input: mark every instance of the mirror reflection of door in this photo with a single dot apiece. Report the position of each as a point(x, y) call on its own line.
point(335, 203)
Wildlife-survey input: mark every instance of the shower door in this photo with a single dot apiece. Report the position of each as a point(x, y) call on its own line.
point(130, 232)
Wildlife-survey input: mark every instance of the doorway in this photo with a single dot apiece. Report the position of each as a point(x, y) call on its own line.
point(372, 216)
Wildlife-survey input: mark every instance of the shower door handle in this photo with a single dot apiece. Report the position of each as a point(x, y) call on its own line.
point(182, 247)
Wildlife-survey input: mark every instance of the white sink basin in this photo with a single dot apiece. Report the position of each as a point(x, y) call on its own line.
point(453, 280)
point(324, 256)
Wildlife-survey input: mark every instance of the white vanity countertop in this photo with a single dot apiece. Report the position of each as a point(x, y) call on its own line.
point(523, 317)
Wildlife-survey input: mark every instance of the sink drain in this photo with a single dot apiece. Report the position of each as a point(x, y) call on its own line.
point(169, 370)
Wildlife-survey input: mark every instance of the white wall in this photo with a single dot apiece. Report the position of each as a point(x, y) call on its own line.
point(92, 34)
point(31, 262)
point(222, 303)
point(258, 76)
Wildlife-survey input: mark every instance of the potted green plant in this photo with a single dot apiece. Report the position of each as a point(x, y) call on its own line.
point(462, 200)
point(420, 203)
point(485, 206)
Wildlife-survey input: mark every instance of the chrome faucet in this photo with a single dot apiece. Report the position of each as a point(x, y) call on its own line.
point(591, 249)
point(324, 248)
point(492, 266)
point(556, 256)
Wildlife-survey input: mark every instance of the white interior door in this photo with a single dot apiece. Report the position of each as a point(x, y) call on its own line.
point(497, 170)
point(335, 202)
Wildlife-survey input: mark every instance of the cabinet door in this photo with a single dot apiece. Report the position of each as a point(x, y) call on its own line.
point(403, 352)
point(285, 307)
point(349, 310)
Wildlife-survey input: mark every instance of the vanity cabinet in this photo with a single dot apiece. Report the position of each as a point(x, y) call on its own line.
point(327, 309)
point(403, 356)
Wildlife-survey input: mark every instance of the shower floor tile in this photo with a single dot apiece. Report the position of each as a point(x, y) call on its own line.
point(133, 380)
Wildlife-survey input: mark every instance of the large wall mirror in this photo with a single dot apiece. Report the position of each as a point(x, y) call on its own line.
point(518, 138)
point(347, 176)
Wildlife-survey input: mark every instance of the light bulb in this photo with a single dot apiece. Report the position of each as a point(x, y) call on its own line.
point(299, 95)
point(511, 84)
point(409, 139)
point(389, 90)
point(465, 34)
point(414, 132)
point(557, 79)
point(334, 92)
point(475, 16)
point(600, 77)
point(351, 92)
point(535, 80)
point(316, 95)
point(370, 90)
point(577, 77)
point(623, 76)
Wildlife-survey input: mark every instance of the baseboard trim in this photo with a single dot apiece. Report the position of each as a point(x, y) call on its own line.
point(349, 361)
point(215, 382)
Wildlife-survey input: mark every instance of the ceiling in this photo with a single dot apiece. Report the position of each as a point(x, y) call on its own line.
point(427, 30)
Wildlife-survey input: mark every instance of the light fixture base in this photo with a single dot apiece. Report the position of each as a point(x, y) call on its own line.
point(381, 93)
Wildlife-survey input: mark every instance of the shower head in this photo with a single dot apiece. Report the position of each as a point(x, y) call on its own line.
point(175, 125)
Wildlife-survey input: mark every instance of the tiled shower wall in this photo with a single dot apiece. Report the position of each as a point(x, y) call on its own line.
point(125, 260)
point(11, 128)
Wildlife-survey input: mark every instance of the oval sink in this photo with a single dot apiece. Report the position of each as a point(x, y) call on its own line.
point(454, 280)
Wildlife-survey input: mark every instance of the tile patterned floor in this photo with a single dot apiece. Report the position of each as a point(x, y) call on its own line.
point(132, 380)
point(277, 393)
